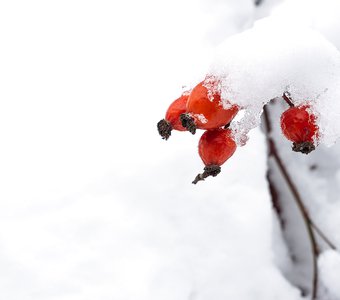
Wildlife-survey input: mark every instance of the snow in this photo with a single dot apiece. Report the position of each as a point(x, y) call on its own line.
point(260, 64)
point(329, 263)
point(93, 203)
point(130, 238)
point(225, 18)
point(322, 15)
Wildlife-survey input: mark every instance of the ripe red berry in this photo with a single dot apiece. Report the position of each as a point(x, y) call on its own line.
point(172, 117)
point(215, 148)
point(298, 125)
point(205, 109)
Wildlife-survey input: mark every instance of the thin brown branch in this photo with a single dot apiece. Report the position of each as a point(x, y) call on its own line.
point(322, 235)
point(288, 99)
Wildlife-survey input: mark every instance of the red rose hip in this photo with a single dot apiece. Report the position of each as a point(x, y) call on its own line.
point(172, 117)
point(298, 125)
point(205, 109)
point(215, 148)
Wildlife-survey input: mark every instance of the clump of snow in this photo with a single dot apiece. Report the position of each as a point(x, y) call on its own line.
point(260, 64)
point(329, 264)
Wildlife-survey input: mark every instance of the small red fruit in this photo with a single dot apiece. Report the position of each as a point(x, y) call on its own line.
point(298, 125)
point(215, 148)
point(172, 117)
point(205, 109)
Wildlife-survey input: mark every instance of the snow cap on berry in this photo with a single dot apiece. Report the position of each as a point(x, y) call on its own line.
point(261, 63)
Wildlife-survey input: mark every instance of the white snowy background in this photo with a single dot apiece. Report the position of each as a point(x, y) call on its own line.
point(93, 204)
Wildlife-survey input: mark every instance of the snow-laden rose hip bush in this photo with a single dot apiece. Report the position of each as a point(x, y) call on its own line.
point(272, 60)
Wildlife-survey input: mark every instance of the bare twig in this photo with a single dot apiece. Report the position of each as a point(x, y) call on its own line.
point(287, 98)
point(322, 235)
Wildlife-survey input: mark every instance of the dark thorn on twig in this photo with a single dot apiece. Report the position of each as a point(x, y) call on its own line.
point(211, 170)
point(188, 122)
point(288, 99)
point(164, 129)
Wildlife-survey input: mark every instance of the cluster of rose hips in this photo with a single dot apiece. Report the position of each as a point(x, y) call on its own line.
point(202, 108)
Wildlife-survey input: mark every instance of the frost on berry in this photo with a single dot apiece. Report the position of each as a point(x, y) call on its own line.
point(201, 118)
point(212, 84)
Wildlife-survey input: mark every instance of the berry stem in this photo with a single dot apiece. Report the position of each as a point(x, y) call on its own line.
point(287, 98)
point(211, 170)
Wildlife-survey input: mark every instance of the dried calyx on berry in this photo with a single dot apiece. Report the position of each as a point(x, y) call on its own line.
point(172, 117)
point(215, 148)
point(212, 170)
point(164, 129)
point(188, 122)
point(303, 147)
point(299, 125)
